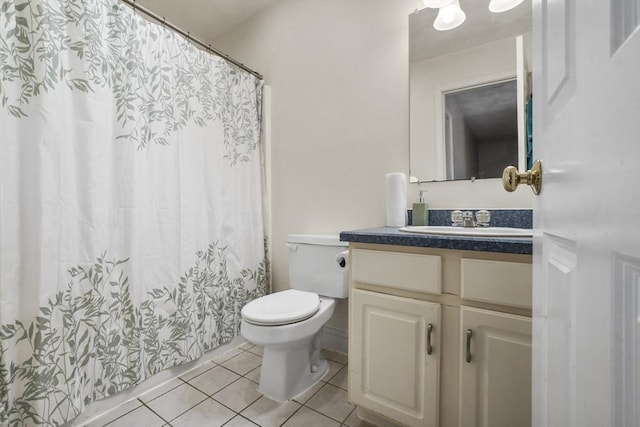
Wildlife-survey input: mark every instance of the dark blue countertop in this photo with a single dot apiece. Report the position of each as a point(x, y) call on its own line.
point(392, 236)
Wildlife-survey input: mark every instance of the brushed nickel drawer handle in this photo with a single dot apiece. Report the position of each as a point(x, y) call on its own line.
point(429, 332)
point(469, 335)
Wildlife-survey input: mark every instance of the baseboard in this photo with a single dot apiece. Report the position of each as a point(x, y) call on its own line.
point(335, 339)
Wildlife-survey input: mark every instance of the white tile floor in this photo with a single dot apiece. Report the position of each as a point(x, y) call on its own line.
point(224, 392)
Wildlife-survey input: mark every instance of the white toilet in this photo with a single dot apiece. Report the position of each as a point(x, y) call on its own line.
point(287, 323)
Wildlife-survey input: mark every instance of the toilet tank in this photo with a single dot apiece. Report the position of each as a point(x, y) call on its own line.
point(313, 266)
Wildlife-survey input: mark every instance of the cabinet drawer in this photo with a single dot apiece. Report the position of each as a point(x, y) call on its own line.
point(414, 272)
point(496, 282)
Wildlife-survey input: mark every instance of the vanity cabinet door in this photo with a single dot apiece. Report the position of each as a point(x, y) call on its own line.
point(394, 357)
point(495, 369)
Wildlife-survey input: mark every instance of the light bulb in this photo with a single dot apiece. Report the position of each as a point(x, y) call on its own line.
point(449, 17)
point(436, 4)
point(497, 6)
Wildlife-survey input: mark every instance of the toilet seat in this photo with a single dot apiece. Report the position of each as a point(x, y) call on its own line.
point(281, 308)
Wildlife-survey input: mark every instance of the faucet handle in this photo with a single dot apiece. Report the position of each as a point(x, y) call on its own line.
point(483, 218)
point(457, 218)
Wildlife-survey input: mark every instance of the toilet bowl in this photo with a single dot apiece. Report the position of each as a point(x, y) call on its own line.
point(288, 323)
point(291, 362)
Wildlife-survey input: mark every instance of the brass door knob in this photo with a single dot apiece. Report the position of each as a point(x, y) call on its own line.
point(511, 178)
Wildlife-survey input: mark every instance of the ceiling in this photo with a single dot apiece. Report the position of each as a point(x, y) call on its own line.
point(480, 27)
point(206, 19)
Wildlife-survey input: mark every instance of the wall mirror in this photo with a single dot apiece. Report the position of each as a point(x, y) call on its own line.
point(468, 93)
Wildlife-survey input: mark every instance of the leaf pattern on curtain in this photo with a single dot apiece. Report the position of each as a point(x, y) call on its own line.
point(93, 327)
point(86, 334)
point(160, 81)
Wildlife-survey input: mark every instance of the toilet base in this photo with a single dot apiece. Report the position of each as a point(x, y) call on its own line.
point(290, 370)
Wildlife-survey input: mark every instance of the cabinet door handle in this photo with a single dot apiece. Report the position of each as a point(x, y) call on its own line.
point(429, 332)
point(469, 335)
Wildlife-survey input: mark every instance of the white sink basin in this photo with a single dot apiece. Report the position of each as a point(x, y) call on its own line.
point(462, 231)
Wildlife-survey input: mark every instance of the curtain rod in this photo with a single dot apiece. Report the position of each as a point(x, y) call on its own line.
point(188, 36)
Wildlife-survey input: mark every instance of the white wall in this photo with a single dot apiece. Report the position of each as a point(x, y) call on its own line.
point(338, 71)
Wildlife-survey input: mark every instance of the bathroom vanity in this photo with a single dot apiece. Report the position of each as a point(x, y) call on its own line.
point(440, 329)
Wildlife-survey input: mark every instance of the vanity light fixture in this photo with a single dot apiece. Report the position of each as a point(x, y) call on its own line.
point(449, 17)
point(497, 6)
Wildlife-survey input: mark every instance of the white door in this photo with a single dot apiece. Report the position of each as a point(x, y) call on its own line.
point(587, 217)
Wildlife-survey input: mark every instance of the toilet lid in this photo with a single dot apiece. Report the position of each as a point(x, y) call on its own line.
point(281, 308)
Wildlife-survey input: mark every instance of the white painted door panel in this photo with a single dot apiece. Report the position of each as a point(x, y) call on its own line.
point(392, 372)
point(586, 85)
point(495, 382)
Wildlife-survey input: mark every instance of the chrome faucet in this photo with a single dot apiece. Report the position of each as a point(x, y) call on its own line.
point(466, 218)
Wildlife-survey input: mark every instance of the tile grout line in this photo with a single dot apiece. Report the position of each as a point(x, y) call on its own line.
point(173, 388)
point(117, 418)
point(238, 373)
point(312, 396)
point(239, 413)
point(236, 416)
point(292, 414)
point(183, 412)
point(231, 409)
point(217, 391)
point(211, 396)
point(163, 393)
point(344, 423)
point(149, 408)
point(208, 396)
point(234, 356)
point(303, 404)
point(201, 373)
point(187, 410)
point(337, 373)
point(324, 415)
point(329, 416)
point(245, 375)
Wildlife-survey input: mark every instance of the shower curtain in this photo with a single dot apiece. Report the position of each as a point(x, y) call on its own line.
point(131, 203)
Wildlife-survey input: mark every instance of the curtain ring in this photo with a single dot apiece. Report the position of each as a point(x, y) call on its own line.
point(164, 21)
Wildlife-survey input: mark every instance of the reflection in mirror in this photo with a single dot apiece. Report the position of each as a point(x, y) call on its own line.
point(481, 130)
point(475, 66)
